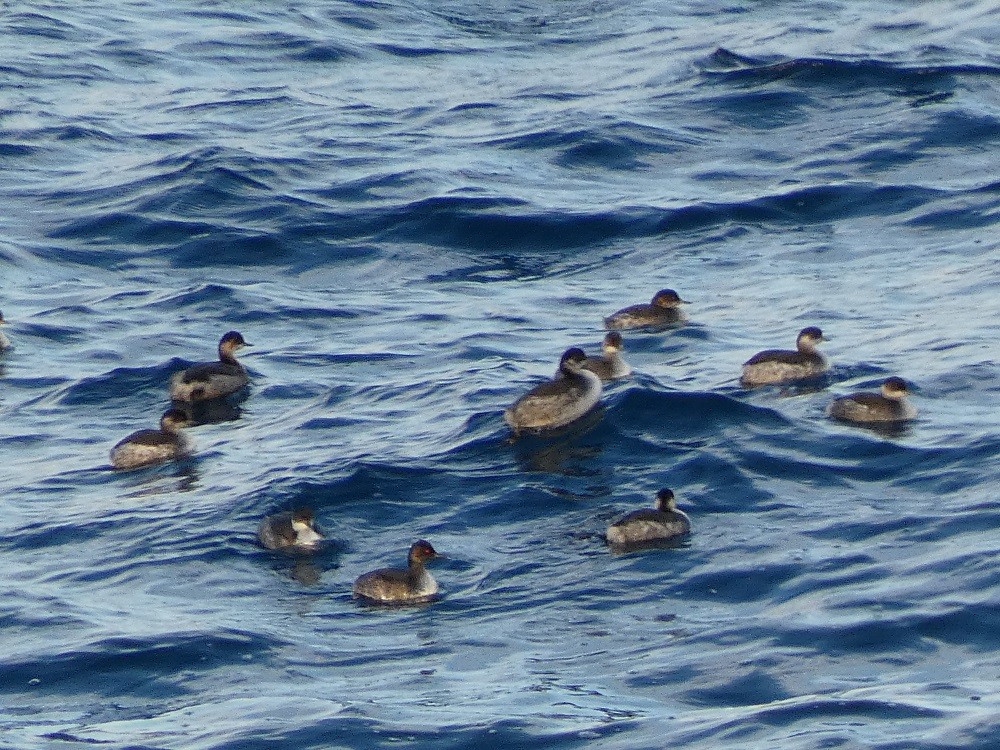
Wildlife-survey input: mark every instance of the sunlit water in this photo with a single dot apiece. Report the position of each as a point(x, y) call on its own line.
point(411, 211)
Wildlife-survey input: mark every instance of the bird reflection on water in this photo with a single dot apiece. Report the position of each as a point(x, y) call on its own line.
point(182, 477)
point(556, 449)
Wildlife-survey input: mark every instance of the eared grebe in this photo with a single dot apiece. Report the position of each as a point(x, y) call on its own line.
point(784, 366)
point(147, 447)
point(664, 310)
point(212, 379)
point(567, 397)
point(4, 341)
point(408, 585)
point(888, 406)
point(610, 365)
point(296, 528)
point(662, 523)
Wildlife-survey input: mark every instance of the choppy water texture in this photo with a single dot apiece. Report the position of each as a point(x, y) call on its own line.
point(411, 210)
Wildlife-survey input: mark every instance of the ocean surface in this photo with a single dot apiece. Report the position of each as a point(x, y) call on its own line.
point(411, 210)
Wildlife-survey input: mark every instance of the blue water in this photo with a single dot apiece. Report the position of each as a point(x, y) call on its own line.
point(411, 210)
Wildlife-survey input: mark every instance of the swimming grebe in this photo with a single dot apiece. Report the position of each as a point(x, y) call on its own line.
point(661, 523)
point(888, 406)
point(409, 585)
point(610, 365)
point(4, 341)
point(567, 397)
point(785, 366)
point(147, 447)
point(212, 379)
point(662, 311)
point(295, 528)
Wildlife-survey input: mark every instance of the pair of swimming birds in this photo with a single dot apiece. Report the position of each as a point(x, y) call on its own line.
point(296, 531)
point(205, 381)
point(776, 366)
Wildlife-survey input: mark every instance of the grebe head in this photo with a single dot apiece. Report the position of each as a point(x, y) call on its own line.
point(668, 298)
point(572, 360)
point(809, 337)
point(304, 526)
point(894, 388)
point(302, 518)
point(230, 342)
point(612, 343)
point(174, 419)
point(2, 321)
point(421, 550)
point(665, 500)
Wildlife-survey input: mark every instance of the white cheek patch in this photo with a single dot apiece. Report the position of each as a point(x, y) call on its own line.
point(306, 535)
